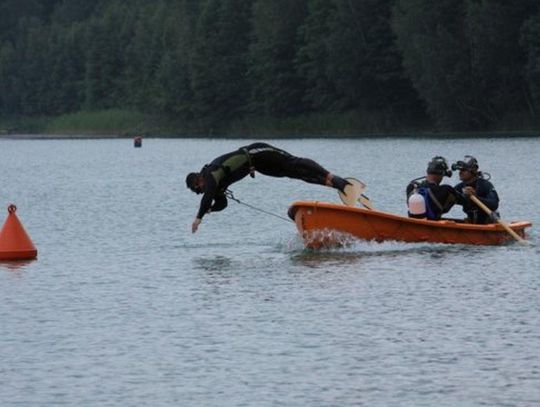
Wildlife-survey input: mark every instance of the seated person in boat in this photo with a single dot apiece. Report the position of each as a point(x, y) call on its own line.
point(474, 182)
point(214, 178)
point(426, 197)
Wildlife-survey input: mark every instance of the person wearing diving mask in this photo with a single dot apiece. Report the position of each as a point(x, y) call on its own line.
point(437, 199)
point(473, 182)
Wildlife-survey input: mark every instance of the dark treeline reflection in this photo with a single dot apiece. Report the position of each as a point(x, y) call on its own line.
point(456, 64)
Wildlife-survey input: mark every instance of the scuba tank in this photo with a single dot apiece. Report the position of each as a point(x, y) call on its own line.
point(416, 204)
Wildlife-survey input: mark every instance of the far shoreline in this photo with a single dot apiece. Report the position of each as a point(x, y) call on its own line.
point(119, 124)
point(77, 135)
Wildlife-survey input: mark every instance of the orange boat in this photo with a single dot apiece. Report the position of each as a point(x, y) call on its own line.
point(326, 224)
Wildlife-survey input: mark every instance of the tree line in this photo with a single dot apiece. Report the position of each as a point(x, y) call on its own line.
point(458, 64)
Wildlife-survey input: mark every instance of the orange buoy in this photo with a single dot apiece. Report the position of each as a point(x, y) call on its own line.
point(137, 141)
point(15, 244)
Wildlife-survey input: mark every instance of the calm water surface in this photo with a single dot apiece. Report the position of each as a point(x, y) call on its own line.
point(125, 307)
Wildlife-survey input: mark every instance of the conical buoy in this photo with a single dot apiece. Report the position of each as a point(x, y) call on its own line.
point(15, 244)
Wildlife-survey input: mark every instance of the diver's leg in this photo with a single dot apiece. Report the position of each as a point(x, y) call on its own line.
point(279, 163)
point(310, 171)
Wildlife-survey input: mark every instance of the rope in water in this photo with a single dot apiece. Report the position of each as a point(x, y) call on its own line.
point(229, 194)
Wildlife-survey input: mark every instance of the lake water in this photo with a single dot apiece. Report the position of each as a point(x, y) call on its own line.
point(125, 307)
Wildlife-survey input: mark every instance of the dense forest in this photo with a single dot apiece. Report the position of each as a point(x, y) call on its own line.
point(448, 64)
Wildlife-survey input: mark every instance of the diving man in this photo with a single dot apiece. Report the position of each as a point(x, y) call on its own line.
point(214, 178)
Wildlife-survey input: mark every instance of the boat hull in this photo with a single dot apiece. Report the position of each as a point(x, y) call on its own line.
point(326, 224)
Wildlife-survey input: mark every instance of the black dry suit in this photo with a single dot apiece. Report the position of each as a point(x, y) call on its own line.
point(485, 192)
point(264, 158)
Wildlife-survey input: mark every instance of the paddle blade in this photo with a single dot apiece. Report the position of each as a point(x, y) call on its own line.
point(353, 192)
point(496, 218)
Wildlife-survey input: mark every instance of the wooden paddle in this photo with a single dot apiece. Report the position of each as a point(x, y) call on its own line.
point(490, 213)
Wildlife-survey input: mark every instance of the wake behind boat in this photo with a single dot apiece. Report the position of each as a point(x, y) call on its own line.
point(315, 219)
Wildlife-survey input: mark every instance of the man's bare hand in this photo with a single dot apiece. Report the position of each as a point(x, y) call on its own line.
point(469, 191)
point(195, 225)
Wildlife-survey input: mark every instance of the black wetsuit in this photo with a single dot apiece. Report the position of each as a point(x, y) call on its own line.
point(485, 192)
point(442, 197)
point(262, 157)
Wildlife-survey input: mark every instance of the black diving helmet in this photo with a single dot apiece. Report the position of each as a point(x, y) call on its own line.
point(439, 166)
point(469, 163)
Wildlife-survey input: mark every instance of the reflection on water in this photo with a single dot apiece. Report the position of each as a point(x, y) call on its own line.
point(215, 263)
point(19, 265)
point(316, 259)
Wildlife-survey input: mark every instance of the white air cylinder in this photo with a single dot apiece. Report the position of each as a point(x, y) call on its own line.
point(417, 205)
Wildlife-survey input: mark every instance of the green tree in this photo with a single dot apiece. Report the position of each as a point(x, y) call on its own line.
point(364, 63)
point(530, 41)
point(218, 65)
point(142, 36)
point(313, 55)
point(105, 62)
point(66, 58)
point(432, 38)
point(72, 11)
point(276, 87)
point(12, 11)
point(173, 76)
point(34, 71)
point(453, 51)
point(9, 80)
point(494, 29)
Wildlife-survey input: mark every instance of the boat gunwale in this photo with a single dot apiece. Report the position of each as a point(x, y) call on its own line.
point(445, 223)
